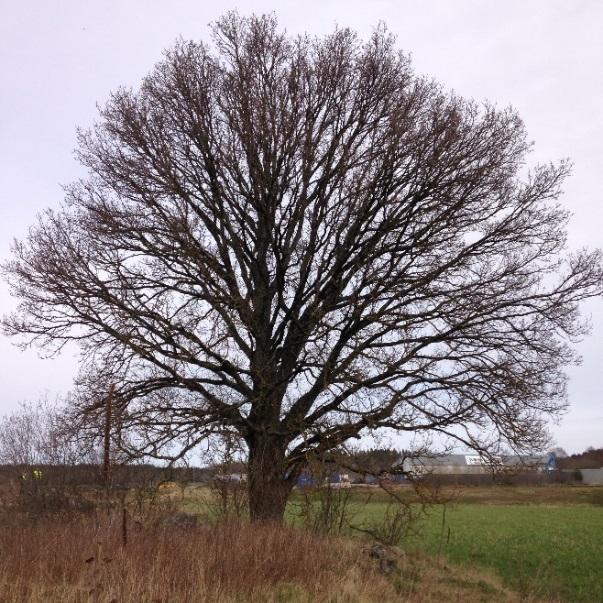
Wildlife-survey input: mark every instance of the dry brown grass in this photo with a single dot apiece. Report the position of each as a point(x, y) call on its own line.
point(83, 561)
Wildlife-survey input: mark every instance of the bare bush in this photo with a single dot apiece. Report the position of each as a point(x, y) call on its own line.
point(39, 452)
point(37, 434)
point(323, 506)
point(229, 495)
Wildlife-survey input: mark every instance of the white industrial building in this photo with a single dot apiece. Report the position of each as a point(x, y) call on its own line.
point(471, 464)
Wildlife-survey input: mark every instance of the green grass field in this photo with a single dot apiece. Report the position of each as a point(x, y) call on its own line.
point(546, 542)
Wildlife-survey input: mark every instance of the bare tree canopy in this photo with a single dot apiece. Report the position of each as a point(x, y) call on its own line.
point(299, 241)
point(34, 434)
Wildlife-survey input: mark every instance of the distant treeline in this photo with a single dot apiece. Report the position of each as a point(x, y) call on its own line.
point(589, 459)
point(88, 474)
point(373, 461)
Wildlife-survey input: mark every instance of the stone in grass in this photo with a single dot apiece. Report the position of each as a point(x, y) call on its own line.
point(386, 556)
point(181, 520)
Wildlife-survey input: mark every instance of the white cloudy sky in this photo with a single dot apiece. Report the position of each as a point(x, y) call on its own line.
point(59, 58)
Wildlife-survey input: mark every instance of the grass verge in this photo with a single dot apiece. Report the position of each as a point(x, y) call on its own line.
point(82, 561)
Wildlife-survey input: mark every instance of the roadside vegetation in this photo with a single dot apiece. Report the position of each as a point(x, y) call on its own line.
point(190, 542)
point(85, 561)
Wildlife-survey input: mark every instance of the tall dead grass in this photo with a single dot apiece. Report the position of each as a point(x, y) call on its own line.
point(83, 561)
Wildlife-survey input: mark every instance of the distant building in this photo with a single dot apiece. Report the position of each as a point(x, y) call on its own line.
point(474, 464)
point(334, 480)
point(592, 477)
point(231, 477)
point(446, 464)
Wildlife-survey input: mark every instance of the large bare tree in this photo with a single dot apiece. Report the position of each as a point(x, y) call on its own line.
point(298, 241)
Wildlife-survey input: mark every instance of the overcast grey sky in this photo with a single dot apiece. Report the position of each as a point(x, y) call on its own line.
point(59, 58)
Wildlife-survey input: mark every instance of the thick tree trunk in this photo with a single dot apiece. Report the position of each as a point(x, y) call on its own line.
point(268, 487)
